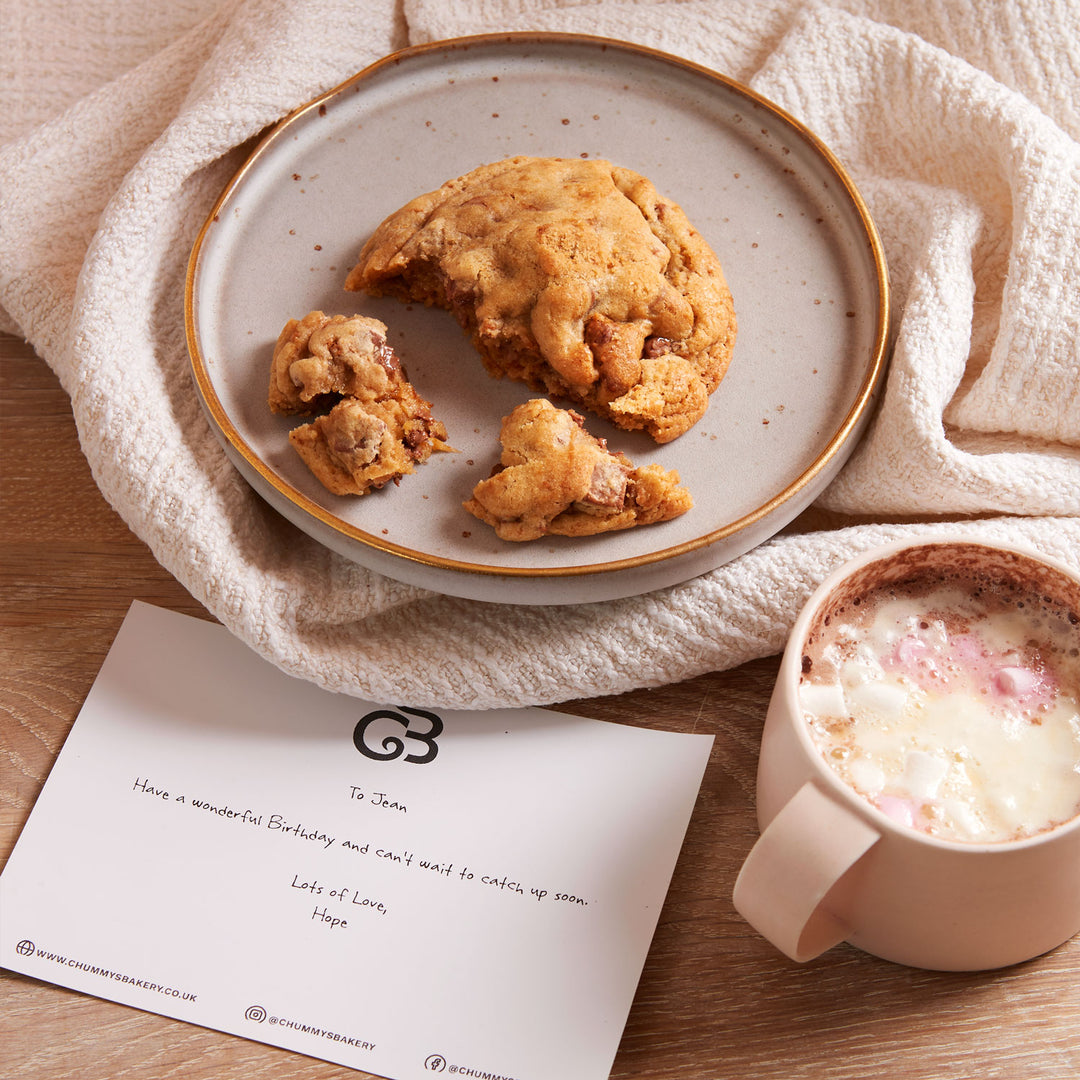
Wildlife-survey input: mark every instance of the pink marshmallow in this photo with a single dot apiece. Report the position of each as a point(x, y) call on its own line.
point(1026, 689)
point(1014, 681)
point(900, 810)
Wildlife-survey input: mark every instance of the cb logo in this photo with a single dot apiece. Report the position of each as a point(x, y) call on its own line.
point(393, 746)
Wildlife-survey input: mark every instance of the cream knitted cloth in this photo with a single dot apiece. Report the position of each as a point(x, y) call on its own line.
point(120, 122)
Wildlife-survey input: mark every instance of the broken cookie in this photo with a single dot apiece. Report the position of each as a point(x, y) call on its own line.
point(556, 478)
point(377, 428)
point(576, 277)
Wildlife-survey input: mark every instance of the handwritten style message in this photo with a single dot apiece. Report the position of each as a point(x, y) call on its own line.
point(312, 834)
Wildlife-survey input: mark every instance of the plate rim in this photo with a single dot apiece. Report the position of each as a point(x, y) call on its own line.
point(265, 140)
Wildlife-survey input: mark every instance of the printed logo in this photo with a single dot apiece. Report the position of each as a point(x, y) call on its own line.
point(393, 746)
point(435, 1063)
point(25, 947)
point(256, 1013)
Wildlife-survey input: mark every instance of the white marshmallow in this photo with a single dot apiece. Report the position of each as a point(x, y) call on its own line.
point(882, 698)
point(923, 774)
point(823, 699)
point(866, 776)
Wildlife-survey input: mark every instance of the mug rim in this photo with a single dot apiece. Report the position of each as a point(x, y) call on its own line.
point(791, 671)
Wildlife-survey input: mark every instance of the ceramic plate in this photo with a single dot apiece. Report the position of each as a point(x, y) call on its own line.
point(798, 248)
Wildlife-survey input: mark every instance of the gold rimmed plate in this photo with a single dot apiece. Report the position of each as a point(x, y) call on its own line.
point(798, 247)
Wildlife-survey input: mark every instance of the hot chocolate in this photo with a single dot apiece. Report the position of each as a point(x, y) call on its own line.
point(951, 699)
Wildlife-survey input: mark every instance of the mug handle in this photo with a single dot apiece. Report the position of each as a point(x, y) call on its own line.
point(801, 854)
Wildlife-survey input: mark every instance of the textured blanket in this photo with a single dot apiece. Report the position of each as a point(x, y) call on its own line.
point(121, 121)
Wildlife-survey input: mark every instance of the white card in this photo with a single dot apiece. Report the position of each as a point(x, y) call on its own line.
point(398, 890)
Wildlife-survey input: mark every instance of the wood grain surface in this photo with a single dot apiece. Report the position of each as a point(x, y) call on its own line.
point(715, 1001)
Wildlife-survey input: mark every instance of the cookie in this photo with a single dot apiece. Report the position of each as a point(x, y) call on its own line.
point(320, 359)
point(557, 479)
point(576, 277)
point(377, 429)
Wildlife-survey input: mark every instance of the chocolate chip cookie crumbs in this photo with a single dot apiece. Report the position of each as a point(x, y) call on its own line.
point(372, 426)
point(554, 478)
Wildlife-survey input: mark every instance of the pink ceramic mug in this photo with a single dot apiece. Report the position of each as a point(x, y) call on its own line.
point(830, 866)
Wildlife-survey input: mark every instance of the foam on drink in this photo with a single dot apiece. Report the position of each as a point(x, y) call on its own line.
point(951, 701)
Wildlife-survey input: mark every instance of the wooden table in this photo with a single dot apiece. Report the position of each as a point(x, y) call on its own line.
point(715, 1001)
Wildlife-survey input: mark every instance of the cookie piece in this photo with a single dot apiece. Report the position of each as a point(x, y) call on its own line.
point(556, 478)
point(320, 359)
point(360, 445)
point(574, 276)
point(378, 428)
